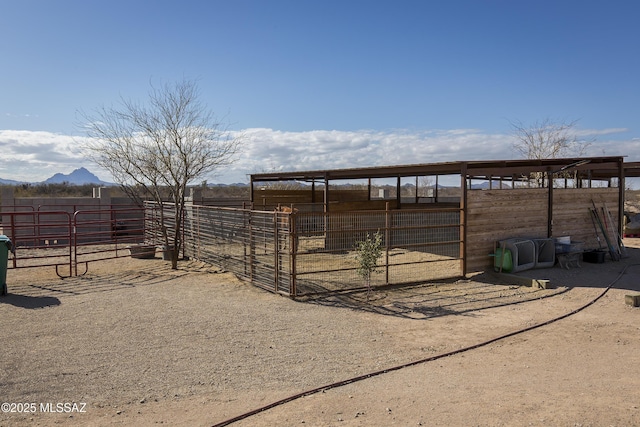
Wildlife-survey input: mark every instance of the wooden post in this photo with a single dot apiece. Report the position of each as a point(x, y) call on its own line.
point(251, 190)
point(252, 248)
point(621, 192)
point(463, 218)
point(293, 244)
point(276, 250)
point(326, 193)
point(387, 235)
point(550, 202)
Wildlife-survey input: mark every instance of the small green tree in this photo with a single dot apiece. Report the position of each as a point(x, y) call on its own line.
point(368, 252)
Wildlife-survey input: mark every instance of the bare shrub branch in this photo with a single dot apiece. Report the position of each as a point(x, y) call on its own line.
point(156, 149)
point(548, 139)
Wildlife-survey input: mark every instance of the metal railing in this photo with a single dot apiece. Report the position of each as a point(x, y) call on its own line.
point(255, 245)
point(293, 253)
point(301, 253)
point(418, 245)
point(64, 240)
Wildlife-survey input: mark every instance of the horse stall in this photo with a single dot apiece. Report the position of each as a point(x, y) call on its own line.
point(440, 220)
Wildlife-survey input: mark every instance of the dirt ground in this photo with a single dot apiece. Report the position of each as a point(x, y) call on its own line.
point(135, 343)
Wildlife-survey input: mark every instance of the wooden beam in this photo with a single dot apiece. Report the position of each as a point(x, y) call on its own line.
point(621, 190)
point(549, 203)
point(463, 219)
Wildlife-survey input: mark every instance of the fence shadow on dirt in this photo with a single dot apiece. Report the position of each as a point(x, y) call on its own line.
point(434, 299)
point(148, 272)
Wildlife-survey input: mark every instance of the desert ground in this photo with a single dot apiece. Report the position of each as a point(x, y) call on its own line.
point(135, 343)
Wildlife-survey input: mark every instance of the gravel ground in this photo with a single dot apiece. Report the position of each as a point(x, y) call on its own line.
point(135, 343)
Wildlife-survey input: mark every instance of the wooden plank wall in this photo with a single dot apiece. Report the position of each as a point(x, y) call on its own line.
point(270, 198)
point(571, 216)
point(494, 215)
point(363, 205)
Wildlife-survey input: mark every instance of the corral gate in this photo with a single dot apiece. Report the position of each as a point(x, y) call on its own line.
point(67, 239)
point(309, 252)
point(255, 245)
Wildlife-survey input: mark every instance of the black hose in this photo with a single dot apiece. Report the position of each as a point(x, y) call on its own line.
point(417, 362)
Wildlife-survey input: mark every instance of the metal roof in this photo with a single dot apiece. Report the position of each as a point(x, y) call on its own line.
point(596, 167)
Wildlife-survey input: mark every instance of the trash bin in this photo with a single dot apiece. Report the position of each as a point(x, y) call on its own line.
point(5, 246)
point(502, 261)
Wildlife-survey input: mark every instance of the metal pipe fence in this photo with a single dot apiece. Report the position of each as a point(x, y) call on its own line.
point(418, 245)
point(301, 253)
point(255, 245)
point(64, 240)
point(293, 253)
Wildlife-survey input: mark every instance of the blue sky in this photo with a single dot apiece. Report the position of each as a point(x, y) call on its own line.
point(324, 84)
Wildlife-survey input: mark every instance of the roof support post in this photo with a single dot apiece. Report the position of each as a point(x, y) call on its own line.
point(463, 217)
point(251, 188)
point(549, 202)
point(621, 192)
point(326, 193)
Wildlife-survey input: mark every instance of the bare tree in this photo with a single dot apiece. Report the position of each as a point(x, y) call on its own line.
point(548, 139)
point(155, 149)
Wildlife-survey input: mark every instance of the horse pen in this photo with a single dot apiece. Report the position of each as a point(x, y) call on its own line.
point(141, 344)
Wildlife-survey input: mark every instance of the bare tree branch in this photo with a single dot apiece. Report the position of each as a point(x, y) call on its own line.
point(548, 139)
point(161, 146)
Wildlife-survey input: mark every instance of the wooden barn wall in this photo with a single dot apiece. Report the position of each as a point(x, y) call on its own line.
point(362, 205)
point(494, 215)
point(270, 198)
point(571, 215)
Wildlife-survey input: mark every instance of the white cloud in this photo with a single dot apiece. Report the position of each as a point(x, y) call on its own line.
point(269, 150)
point(597, 132)
point(35, 156)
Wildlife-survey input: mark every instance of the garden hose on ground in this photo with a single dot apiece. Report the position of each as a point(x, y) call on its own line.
point(418, 362)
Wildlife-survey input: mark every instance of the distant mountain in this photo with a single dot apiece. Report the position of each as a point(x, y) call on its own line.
point(10, 182)
point(236, 184)
point(485, 185)
point(77, 177)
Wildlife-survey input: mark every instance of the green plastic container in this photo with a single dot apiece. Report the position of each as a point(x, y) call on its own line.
point(504, 260)
point(5, 247)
